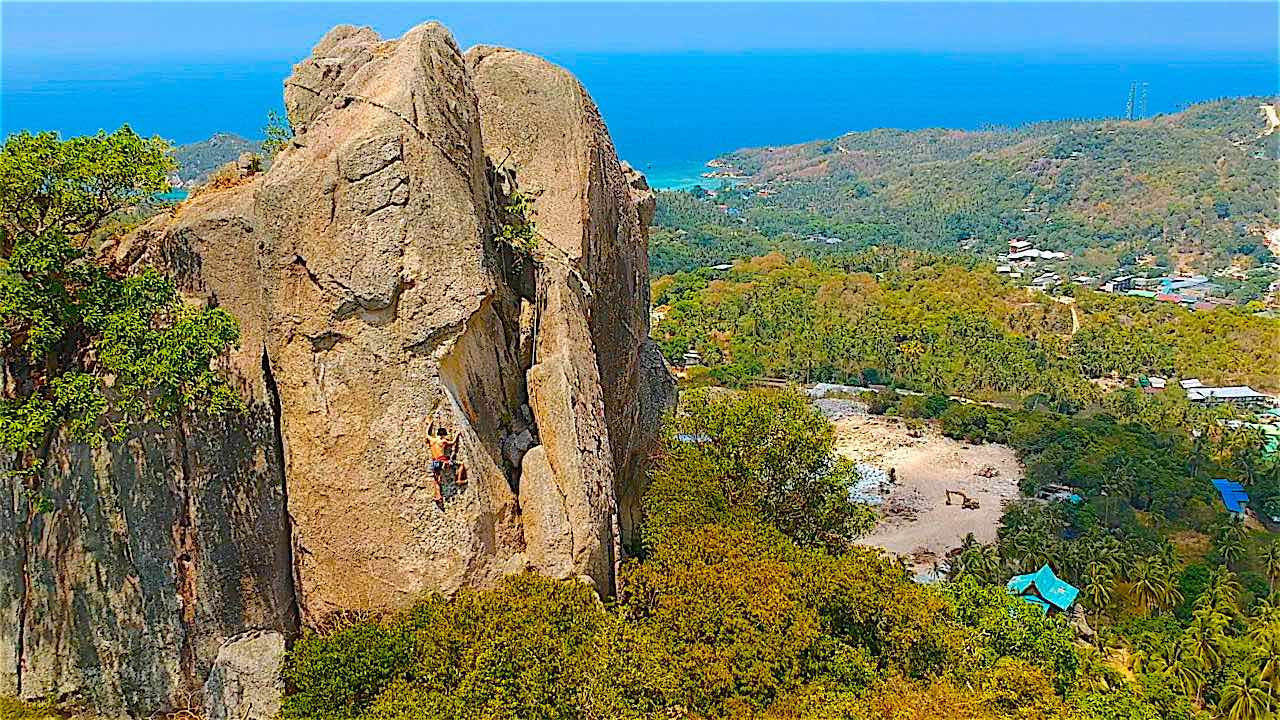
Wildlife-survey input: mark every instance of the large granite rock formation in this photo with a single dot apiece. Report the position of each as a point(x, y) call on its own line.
point(374, 297)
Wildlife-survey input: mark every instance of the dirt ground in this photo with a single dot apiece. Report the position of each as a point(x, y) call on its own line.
point(917, 522)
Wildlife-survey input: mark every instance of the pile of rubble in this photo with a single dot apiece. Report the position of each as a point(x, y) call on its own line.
point(840, 409)
point(904, 507)
point(872, 485)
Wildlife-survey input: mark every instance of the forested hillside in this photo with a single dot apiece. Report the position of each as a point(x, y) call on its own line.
point(1192, 190)
point(945, 325)
point(749, 599)
point(196, 161)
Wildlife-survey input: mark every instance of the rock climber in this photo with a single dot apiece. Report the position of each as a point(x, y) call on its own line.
point(444, 448)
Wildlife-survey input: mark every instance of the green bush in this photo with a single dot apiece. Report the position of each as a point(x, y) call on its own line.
point(532, 647)
point(881, 402)
point(912, 406)
point(339, 675)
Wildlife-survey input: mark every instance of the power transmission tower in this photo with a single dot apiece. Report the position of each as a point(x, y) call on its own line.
point(1133, 95)
point(1145, 85)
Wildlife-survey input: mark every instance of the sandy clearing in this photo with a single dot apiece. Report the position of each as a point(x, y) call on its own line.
point(917, 521)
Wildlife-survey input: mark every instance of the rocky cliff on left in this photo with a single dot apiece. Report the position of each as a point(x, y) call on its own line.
point(162, 547)
point(378, 293)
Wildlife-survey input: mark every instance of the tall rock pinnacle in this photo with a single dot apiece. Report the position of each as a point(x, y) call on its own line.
point(376, 298)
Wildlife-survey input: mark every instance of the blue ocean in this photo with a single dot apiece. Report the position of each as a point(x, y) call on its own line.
point(669, 111)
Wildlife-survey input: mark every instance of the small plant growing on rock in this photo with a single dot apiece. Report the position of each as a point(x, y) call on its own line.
point(277, 132)
point(518, 230)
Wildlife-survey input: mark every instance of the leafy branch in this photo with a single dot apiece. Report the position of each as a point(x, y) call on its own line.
point(86, 348)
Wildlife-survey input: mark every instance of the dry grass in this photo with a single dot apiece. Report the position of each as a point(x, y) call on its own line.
point(342, 619)
point(11, 709)
point(224, 178)
point(1191, 546)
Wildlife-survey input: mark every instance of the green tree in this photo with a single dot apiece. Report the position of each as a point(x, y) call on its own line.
point(980, 561)
point(1230, 541)
point(1188, 670)
point(1221, 592)
point(1099, 582)
point(1206, 637)
point(90, 348)
point(1244, 698)
point(1152, 584)
point(276, 134)
point(1266, 639)
point(759, 453)
point(1271, 563)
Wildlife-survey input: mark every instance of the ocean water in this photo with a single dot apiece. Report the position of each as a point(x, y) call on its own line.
point(670, 112)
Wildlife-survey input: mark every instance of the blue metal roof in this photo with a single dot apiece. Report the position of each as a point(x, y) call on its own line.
point(1233, 495)
point(1046, 585)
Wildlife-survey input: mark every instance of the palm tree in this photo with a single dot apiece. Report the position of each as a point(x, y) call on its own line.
point(1271, 563)
point(1153, 585)
point(1145, 583)
point(1205, 637)
point(1267, 656)
point(1187, 671)
point(1170, 595)
point(1266, 617)
point(1221, 592)
point(1098, 582)
point(1230, 542)
point(986, 562)
point(1244, 698)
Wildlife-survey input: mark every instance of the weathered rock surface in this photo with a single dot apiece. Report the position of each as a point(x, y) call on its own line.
point(374, 298)
point(246, 682)
point(388, 309)
point(592, 281)
point(159, 547)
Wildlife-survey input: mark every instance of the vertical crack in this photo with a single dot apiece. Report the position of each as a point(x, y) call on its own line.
point(24, 602)
point(27, 529)
point(187, 549)
point(277, 445)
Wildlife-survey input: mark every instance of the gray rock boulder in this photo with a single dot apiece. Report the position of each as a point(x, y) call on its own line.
point(245, 682)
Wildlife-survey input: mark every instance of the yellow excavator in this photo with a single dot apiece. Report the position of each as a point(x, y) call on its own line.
point(966, 502)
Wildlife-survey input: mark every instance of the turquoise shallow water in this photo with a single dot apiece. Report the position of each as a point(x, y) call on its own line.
point(679, 175)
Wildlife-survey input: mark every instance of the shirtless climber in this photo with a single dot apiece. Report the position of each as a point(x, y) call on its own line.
point(443, 449)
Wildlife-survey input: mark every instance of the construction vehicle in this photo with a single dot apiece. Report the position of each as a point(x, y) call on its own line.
point(966, 502)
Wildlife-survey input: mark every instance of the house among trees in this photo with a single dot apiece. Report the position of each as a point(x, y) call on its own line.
point(1234, 497)
point(1235, 394)
point(1044, 590)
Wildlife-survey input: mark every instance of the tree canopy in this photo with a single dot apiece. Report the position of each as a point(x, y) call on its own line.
point(89, 348)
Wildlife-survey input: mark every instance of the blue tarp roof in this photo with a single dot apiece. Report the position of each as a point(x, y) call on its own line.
point(1233, 495)
point(1045, 584)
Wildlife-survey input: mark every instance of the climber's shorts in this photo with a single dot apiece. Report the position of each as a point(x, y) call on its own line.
point(437, 466)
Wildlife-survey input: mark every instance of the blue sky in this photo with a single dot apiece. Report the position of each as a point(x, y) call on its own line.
point(271, 30)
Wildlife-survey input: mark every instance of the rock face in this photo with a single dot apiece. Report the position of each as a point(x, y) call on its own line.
point(160, 547)
point(375, 297)
point(246, 681)
point(592, 297)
